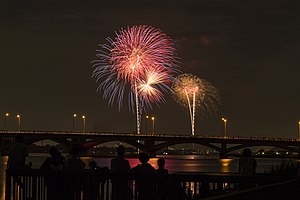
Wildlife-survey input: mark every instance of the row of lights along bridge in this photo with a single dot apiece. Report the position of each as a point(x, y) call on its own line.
point(18, 117)
point(83, 117)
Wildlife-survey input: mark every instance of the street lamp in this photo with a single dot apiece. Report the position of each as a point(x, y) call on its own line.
point(153, 119)
point(5, 119)
point(299, 130)
point(224, 127)
point(147, 117)
point(83, 118)
point(19, 121)
point(74, 116)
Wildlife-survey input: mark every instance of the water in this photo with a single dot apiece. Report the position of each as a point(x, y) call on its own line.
point(174, 163)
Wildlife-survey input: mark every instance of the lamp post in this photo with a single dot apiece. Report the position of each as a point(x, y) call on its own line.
point(299, 130)
point(5, 120)
point(19, 121)
point(74, 117)
point(147, 117)
point(224, 127)
point(153, 119)
point(83, 118)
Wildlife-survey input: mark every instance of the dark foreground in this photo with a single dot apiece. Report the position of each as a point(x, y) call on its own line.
point(33, 184)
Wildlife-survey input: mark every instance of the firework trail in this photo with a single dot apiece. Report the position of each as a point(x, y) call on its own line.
point(195, 94)
point(140, 61)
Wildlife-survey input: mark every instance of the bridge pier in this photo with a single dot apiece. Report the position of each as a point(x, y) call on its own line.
point(4, 142)
point(77, 142)
point(149, 147)
point(222, 153)
point(1, 146)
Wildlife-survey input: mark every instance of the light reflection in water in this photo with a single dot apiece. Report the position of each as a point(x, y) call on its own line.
point(3, 161)
point(225, 163)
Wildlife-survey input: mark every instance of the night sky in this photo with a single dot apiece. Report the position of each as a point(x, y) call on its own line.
point(249, 50)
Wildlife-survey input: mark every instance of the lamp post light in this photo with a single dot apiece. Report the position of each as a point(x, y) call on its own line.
point(74, 117)
point(19, 121)
point(5, 120)
point(224, 127)
point(299, 130)
point(83, 118)
point(153, 119)
point(147, 117)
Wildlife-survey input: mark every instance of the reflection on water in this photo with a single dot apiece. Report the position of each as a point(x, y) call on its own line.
point(226, 163)
point(180, 163)
point(3, 161)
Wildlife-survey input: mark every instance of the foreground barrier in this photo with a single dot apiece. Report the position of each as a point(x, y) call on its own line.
point(34, 184)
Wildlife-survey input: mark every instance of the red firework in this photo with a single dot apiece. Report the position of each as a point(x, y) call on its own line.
point(140, 49)
point(142, 57)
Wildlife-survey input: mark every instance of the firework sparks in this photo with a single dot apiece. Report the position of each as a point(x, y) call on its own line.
point(151, 88)
point(140, 60)
point(196, 94)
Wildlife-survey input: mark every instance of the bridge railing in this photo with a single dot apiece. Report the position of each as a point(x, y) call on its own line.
point(34, 184)
point(33, 132)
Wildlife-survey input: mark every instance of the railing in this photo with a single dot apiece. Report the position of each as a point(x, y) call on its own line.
point(92, 185)
point(165, 135)
point(274, 191)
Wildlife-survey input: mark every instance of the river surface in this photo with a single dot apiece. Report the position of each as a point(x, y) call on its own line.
point(174, 163)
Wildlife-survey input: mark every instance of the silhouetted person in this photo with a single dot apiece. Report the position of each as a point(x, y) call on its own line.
point(17, 154)
point(75, 163)
point(247, 163)
point(247, 166)
point(144, 174)
point(93, 165)
point(162, 180)
point(54, 163)
point(74, 167)
point(161, 167)
point(53, 168)
point(120, 169)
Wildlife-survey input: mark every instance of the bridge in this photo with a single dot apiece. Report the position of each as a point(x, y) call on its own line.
point(150, 143)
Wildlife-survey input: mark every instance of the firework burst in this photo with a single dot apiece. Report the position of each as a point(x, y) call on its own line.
point(197, 95)
point(152, 87)
point(139, 61)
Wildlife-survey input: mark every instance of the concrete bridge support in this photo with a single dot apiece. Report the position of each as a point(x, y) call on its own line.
point(1, 146)
point(149, 147)
point(222, 153)
point(4, 142)
point(77, 142)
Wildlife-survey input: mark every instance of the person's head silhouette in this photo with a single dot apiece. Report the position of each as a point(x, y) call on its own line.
point(121, 150)
point(93, 164)
point(161, 163)
point(143, 157)
point(75, 151)
point(247, 152)
point(53, 151)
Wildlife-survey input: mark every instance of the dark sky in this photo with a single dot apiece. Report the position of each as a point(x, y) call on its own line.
point(248, 49)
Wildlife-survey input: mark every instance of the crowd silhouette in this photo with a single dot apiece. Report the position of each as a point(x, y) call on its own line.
point(63, 175)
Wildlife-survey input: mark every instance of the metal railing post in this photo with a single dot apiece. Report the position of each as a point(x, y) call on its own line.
point(8, 186)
